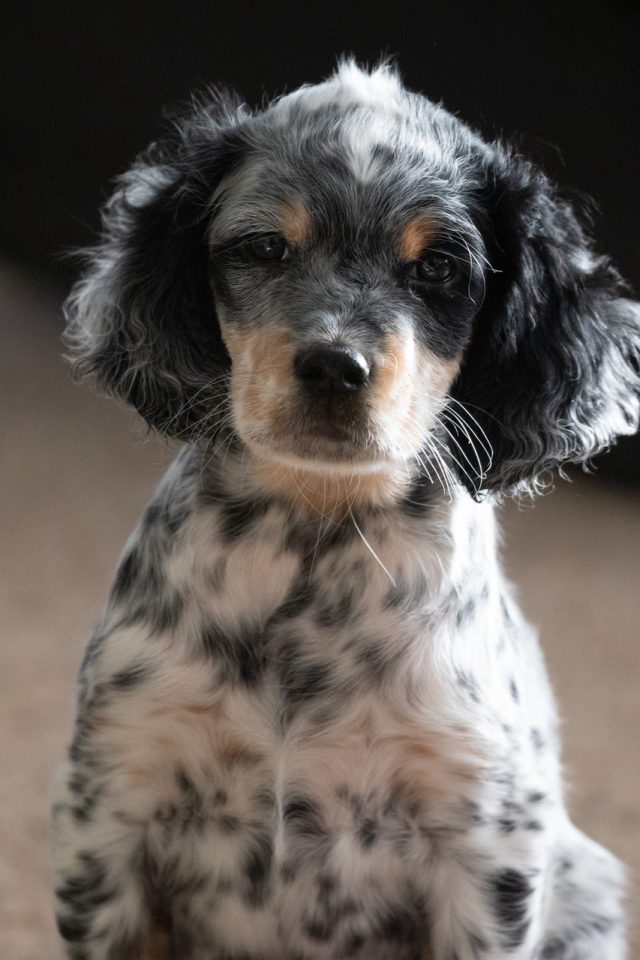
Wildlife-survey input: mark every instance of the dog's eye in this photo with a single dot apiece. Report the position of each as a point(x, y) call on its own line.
point(272, 247)
point(433, 268)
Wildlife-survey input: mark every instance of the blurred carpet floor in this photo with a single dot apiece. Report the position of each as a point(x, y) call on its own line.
point(74, 478)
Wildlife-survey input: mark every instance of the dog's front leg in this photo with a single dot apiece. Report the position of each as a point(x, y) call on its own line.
point(486, 904)
point(99, 852)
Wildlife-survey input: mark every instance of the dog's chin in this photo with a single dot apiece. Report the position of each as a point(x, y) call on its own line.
point(329, 453)
point(326, 482)
point(322, 462)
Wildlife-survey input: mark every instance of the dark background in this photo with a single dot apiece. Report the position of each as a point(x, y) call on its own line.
point(85, 85)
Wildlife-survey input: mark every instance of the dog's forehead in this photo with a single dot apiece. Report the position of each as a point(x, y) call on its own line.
point(359, 144)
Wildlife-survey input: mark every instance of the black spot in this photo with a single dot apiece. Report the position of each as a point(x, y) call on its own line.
point(166, 812)
point(86, 888)
point(80, 748)
point(77, 782)
point(553, 949)
point(374, 656)
point(330, 908)
point(507, 826)
point(396, 596)
point(534, 825)
point(167, 515)
point(301, 680)
point(398, 925)
point(353, 944)
point(511, 890)
point(299, 599)
point(228, 823)
point(506, 616)
point(537, 739)
point(304, 539)
point(337, 613)
point(143, 592)
point(78, 953)
point(513, 690)
point(465, 612)
point(72, 928)
point(239, 516)
point(85, 808)
point(166, 609)
point(469, 684)
point(405, 596)
point(385, 156)
point(472, 812)
point(257, 868)
point(536, 796)
point(130, 677)
point(302, 816)
point(319, 928)
point(191, 804)
point(367, 833)
point(327, 884)
point(240, 653)
point(126, 575)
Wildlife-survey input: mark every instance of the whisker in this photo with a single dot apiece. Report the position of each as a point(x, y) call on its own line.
point(369, 547)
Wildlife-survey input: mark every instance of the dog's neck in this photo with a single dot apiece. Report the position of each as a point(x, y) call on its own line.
point(406, 520)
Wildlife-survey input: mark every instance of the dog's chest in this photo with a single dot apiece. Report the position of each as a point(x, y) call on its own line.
point(315, 837)
point(307, 773)
point(308, 792)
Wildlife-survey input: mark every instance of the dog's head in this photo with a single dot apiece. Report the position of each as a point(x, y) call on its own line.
point(353, 282)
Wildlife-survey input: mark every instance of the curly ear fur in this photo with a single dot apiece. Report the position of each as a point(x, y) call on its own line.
point(142, 319)
point(551, 374)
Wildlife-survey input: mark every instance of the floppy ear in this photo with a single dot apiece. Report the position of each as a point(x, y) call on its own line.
point(142, 319)
point(551, 374)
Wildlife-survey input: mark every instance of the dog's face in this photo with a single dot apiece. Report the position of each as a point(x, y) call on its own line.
point(346, 274)
point(354, 282)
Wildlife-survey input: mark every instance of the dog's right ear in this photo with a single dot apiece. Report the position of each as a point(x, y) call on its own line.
point(142, 319)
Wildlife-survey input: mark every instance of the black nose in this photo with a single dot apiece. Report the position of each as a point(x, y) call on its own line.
point(331, 369)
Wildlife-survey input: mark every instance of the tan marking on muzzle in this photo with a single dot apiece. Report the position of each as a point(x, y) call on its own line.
point(393, 369)
point(440, 374)
point(262, 370)
point(416, 236)
point(296, 223)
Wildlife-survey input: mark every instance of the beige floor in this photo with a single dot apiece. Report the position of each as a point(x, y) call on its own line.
point(74, 479)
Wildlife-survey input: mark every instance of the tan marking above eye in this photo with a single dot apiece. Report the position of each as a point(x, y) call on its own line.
point(296, 222)
point(415, 237)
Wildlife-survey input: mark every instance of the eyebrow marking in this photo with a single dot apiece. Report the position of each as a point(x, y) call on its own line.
point(416, 236)
point(296, 223)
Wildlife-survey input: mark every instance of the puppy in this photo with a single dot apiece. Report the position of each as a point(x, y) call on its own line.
point(312, 723)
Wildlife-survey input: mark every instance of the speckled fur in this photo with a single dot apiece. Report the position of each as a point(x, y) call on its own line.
point(312, 723)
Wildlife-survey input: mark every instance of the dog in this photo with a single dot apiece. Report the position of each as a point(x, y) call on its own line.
point(312, 722)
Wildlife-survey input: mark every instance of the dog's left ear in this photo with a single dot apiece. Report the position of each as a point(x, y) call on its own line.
point(552, 372)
